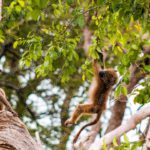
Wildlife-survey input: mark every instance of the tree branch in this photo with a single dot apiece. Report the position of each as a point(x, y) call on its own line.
point(118, 132)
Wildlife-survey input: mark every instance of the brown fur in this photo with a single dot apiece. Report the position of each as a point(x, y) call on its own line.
point(101, 85)
point(4, 103)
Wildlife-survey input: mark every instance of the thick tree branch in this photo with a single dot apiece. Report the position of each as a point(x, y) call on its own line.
point(118, 132)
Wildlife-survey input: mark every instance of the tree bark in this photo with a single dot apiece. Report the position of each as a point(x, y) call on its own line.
point(14, 134)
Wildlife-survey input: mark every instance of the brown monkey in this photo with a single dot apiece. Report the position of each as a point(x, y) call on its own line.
point(4, 103)
point(98, 94)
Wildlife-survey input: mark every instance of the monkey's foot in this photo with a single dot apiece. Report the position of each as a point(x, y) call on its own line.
point(69, 122)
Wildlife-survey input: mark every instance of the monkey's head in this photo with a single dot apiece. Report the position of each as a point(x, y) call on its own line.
point(108, 76)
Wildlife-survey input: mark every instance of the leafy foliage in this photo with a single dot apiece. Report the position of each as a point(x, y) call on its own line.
point(143, 93)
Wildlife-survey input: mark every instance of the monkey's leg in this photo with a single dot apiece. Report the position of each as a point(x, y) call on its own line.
point(80, 109)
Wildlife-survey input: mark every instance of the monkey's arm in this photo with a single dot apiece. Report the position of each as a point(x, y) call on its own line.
point(96, 68)
point(6, 103)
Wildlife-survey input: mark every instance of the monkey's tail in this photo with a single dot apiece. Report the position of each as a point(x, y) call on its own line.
point(89, 124)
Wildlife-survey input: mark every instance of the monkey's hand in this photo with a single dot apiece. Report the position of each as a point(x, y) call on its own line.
point(69, 122)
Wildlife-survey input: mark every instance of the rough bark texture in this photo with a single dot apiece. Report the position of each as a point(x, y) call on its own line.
point(14, 135)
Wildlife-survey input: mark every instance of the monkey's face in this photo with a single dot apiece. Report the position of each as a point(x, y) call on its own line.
point(109, 77)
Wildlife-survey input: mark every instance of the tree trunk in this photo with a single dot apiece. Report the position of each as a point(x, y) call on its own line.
point(14, 134)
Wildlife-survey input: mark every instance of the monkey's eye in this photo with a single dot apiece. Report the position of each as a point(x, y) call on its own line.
point(102, 74)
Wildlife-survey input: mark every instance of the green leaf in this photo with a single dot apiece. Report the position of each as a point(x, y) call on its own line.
point(18, 8)
point(125, 60)
point(118, 91)
point(35, 14)
point(121, 69)
point(80, 20)
point(37, 2)
point(44, 3)
point(57, 12)
point(83, 77)
point(147, 68)
point(21, 3)
point(115, 142)
point(126, 138)
point(104, 146)
point(100, 2)
point(70, 2)
point(1, 40)
point(75, 55)
point(15, 44)
point(124, 91)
